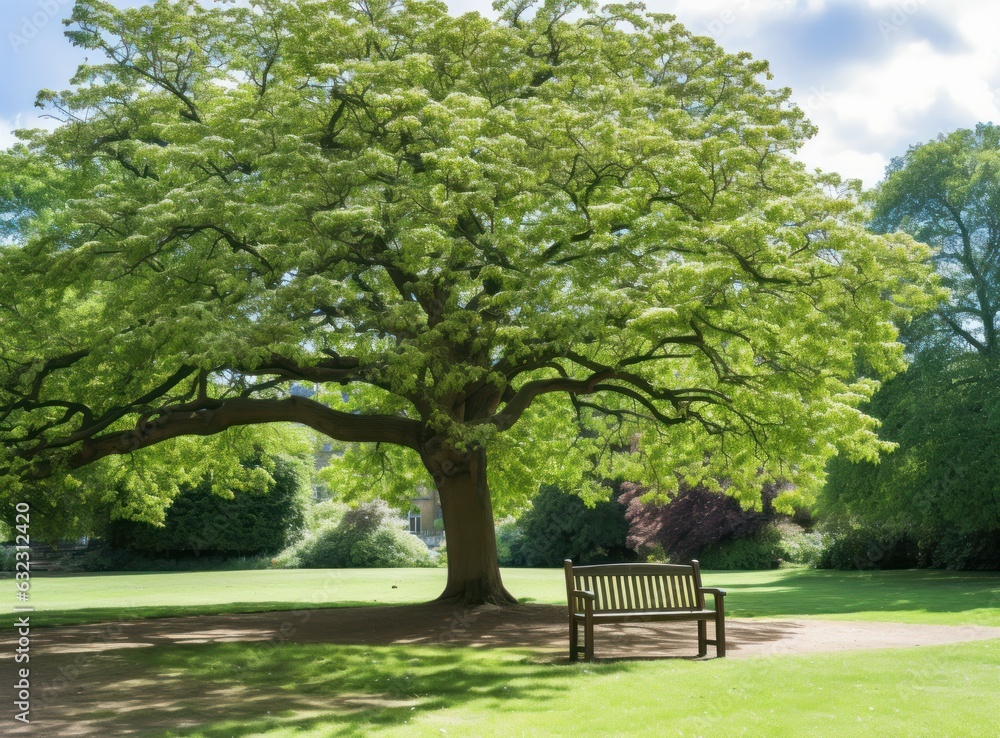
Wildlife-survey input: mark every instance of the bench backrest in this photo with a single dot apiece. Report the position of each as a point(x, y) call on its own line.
point(636, 587)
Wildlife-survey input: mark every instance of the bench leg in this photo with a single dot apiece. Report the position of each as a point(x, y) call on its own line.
point(702, 638)
point(573, 639)
point(588, 639)
point(720, 634)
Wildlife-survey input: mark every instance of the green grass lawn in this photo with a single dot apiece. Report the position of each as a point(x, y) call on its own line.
point(289, 690)
point(904, 596)
point(321, 690)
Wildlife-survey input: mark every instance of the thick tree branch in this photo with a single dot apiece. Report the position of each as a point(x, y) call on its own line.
point(644, 401)
point(89, 428)
point(341, 369)
point(214, 416)
point(58, 362)
point(523, 398)
point(966, 335)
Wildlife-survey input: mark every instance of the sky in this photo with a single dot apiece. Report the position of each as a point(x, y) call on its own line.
point(876, 76)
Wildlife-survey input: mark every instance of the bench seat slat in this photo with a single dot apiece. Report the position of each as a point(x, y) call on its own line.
point(622, 617)
point(664, 600)
point(687, 587)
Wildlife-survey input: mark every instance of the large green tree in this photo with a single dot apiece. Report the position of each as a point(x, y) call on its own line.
point(571, 241)
point(945, 412)
point(947, 193)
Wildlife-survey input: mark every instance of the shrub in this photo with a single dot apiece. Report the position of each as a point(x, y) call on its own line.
point(102, 558)
point(870, 547)
point(800, 547)
point(510, 543)
point(7, 558)
point(761, 550)
point(978, 551)
point(884, 547)
point(691, 522)
point(323, 514)
point(368, 536)
point(559, 526)
point(289, 558)
point(201, 523)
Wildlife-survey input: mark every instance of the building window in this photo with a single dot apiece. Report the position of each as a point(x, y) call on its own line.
point(414, 522)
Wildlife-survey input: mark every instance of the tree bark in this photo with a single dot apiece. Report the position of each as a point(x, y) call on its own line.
point(473, 569)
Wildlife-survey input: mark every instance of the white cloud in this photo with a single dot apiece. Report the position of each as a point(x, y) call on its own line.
point(7, 137)
point(8, 126)
point(726, 20)
point(830, 156)
point(885, 74)
point(879, 108)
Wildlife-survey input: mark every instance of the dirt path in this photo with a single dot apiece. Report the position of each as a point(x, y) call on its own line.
point(540, 627)
point(85, 685)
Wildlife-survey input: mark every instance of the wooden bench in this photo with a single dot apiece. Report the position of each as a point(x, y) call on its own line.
point(620, 593)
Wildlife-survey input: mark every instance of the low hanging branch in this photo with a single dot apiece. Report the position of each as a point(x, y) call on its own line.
point(211, 417)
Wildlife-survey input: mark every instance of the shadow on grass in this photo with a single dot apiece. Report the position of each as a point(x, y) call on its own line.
point(244, 689)
point(99, 615)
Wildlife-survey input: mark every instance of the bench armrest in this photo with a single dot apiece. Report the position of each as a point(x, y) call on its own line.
point(718, 594)
point(713, 591)
point(589, 598)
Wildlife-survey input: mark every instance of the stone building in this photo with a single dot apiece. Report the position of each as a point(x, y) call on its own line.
point(426, 509)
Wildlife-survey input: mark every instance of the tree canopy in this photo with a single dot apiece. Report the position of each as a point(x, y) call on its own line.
point(945, 411)
point(571, 240)
point(947, 193)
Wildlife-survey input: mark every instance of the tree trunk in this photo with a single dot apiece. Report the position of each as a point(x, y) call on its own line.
point(473, 570)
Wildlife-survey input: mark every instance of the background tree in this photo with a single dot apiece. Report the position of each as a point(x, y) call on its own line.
point(942, 483)
point(200, 522)
point(543, 240)
point(692, 521)
point(560, 526)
